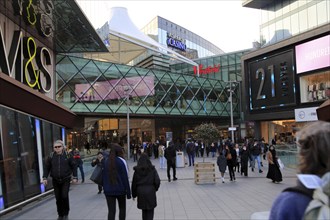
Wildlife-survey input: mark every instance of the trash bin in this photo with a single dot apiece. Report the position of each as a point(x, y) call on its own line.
point(179, 159)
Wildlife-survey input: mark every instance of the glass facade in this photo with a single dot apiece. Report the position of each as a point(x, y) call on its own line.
point(303, 28)
point(286, 18)
point(229, 65)
point(89, 86)
point(196, 47)
point(25, 142)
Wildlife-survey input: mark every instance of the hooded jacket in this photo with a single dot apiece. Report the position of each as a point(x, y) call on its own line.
point(144, 186)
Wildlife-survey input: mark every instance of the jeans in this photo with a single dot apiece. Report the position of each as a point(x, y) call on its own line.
point(231, 172)
point(254, 157)
point(111, 202)
point(213, 153)
point(191, 159)
point(61, 191)
point(81, 168)
point(162, 162)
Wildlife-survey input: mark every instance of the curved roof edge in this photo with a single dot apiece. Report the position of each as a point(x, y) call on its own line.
point(120, 25)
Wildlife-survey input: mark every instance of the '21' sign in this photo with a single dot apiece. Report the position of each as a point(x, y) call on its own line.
point(271, 81)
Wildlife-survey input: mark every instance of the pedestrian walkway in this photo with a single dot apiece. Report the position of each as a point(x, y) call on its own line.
point(181, 199)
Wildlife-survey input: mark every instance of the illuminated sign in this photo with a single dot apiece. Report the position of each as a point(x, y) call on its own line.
point(36, 15)
point(313, 55)
point(271, 81)
point(176, 42)
point(26, 61)
point(23, 59)
point(115, 89)
point(206, 70)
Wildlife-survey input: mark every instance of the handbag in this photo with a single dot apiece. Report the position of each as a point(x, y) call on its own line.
point(96, 176)
point(280, 163)
point(229, 157)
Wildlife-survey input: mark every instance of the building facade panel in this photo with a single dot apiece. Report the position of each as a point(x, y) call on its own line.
point(30, 119)
point(310, 69)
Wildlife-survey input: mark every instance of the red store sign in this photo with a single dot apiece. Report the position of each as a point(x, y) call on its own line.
point(207, 70)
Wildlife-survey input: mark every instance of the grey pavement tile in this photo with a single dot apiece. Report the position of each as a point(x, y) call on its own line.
point(182, 199)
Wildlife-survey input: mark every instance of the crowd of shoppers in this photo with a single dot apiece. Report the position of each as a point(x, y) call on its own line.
point(145, 183)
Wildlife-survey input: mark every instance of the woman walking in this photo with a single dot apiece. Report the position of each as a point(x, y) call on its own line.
point(274, 172)
point(231, 161)
point(115, 182)
point(145, 184)
point(98, 162)
point(222, 164)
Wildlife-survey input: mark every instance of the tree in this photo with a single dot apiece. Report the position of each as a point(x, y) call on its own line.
point(207, 132)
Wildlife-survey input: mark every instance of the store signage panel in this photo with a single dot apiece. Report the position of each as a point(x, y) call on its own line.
point(207, 70)
point(305, 114)
point(271, 81)
point(22, 57)
point(176, 42)
point(313, 55)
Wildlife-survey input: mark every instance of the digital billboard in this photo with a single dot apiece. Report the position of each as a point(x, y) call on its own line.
point(115, 89)
point(271, 81)
point(313, 55)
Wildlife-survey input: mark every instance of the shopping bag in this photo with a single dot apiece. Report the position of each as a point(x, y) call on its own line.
point(96, 176)
point(280, 163)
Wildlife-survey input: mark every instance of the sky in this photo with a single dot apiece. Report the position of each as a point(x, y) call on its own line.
point(224, 23)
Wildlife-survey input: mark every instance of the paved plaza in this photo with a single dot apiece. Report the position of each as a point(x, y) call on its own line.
point(181, 199)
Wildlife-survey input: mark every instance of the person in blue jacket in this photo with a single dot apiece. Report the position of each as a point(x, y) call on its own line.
point(115, 182)
point(314, 144)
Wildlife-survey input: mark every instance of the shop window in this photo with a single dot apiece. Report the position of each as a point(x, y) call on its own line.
point(315, 87)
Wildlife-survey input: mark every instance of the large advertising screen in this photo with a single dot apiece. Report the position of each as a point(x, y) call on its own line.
point(271, 81)
point(116, 89)
point(313, 55)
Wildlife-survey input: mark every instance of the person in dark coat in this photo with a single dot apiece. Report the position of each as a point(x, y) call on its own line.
point(222, 164)
point(274, 172)
point(231, 162)
point(145, 184)
point(98, 162)
point(244, 160)
point(170, 155)
point(60, 165)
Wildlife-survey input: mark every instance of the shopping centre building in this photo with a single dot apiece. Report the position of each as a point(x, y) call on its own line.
point(288, 78)
point(60, 80)
point(167, 92)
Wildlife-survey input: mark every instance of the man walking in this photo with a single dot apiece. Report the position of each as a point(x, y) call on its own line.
point(256, 151)
point(60, 165)
point(170, 155)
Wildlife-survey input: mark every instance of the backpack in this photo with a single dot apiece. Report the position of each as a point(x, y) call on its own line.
point(319, 206)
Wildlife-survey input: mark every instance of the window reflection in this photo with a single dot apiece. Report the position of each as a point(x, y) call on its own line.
point(19, 164)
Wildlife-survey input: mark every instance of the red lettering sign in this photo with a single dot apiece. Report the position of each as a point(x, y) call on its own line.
point(206, 70)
